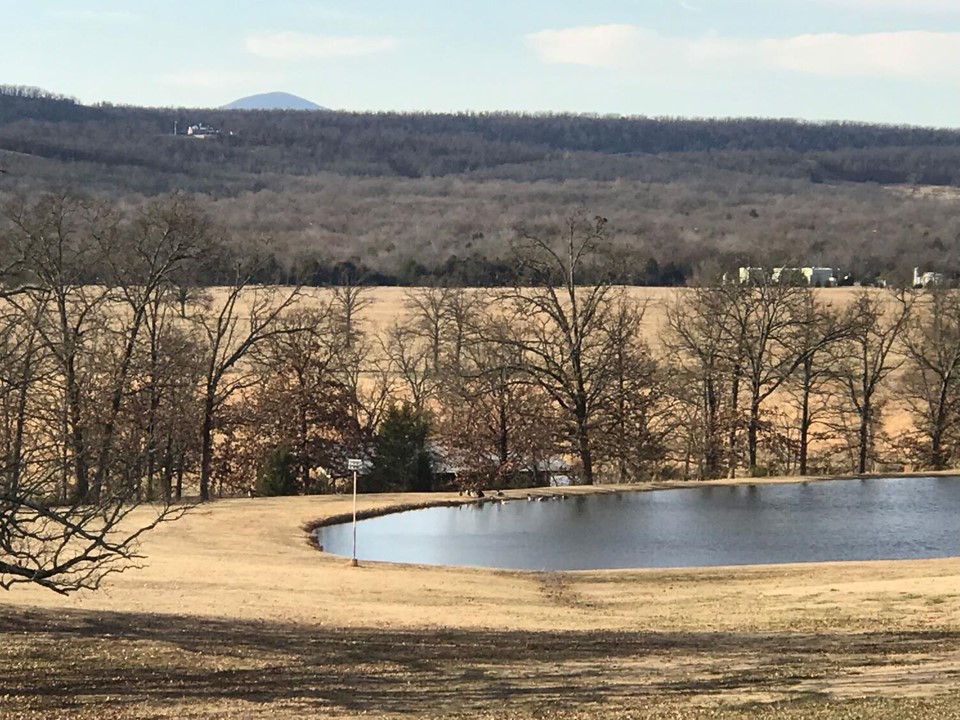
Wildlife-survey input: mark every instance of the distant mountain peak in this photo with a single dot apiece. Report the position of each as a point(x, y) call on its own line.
point(272, 101)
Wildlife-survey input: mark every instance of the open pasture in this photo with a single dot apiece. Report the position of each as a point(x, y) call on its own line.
point(234, 615)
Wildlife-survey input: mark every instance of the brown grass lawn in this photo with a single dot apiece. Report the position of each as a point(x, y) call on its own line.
point(234, 615)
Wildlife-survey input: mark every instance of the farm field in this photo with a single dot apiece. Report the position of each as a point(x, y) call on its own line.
point(388, 303)
point(234, 615)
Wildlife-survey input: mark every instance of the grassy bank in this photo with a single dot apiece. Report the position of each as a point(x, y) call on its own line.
point(234, 615)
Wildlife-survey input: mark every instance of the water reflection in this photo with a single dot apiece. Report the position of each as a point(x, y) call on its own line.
point(749, 524)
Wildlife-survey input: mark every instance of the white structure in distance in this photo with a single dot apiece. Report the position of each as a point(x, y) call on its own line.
point(926, 279)
point(812, 276)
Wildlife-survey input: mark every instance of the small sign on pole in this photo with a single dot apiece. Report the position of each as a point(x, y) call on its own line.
point(354, 464)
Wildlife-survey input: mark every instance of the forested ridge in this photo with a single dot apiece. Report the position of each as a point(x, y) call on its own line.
point(418, 198)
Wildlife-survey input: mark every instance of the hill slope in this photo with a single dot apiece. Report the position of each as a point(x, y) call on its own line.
point(422, 197)
point(272, 101)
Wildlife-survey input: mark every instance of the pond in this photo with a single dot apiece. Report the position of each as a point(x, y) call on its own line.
point(872, 519)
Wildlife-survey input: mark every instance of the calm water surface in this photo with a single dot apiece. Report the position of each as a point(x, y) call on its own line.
point(742, 525)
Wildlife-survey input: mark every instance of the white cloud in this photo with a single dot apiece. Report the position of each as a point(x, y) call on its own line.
point(597, 45)
point(635, 49)
point(897, 54)
point(299, 46)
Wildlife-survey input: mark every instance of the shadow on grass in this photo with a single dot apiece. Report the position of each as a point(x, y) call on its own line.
point(70, 659)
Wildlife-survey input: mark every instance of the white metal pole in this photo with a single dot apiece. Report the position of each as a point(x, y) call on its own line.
point(353, 559)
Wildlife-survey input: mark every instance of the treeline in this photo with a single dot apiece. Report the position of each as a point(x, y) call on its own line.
point(432, 145)
point(18, 102)
point(143, 386)
point(420, 232)
point(738, 380)
point(474, 271)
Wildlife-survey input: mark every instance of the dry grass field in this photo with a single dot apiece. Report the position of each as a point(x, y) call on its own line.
point(388, 305)
point(234, 615)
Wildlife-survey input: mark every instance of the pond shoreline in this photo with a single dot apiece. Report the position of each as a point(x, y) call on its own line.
point(515, 494)
point(624, 528)
point(232, 614)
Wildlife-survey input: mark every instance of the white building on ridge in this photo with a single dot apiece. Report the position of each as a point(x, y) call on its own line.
point(926, 279)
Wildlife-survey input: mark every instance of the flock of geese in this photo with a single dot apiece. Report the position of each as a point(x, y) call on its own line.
point(502, 498)
point(545, 498)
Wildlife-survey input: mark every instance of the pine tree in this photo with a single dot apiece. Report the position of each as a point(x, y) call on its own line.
point(276, 474)
point(402, 460)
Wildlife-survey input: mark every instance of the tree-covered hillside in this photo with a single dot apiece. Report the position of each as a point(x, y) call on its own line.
point(414, 197)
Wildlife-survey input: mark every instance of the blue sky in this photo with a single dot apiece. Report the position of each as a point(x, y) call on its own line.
point(895, 61)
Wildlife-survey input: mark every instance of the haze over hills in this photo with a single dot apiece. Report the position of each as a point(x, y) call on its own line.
point(273, 101)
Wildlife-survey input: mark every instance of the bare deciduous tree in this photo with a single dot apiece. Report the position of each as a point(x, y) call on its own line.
point(632, 418)
point(868, 359)
point(704, 387)
point(363, 371)
point(410, 361)
point(74, 448)
point(349, 301)
point(931, 381)
point(299, 401)
point(561, 325)
point(494, 424)
point(227, 330)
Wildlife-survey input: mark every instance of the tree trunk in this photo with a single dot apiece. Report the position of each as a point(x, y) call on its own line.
point(102, 473)
point(77, 438)
point(152, 449)
point(621, 428)
point(712, 451)
point(752, 428)
point(936, 450)
point(206, 448)
point(805, 418)
point(167, 477)
point(180, 469)
point(864, 437)
point(16, 458)
point(937, 455)
point(732, 438)
point(304, 459)
point(73, 403)
point(503, 448)
point(586, 457)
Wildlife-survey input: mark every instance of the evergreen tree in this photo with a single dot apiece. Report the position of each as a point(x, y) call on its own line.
point(276, 474)
point(402, 460)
